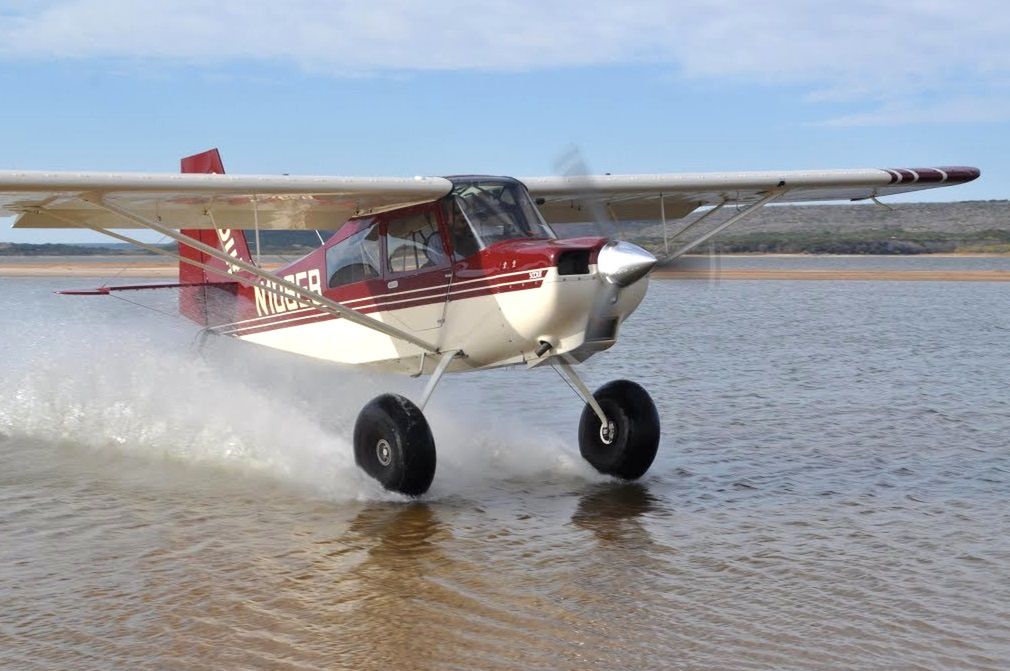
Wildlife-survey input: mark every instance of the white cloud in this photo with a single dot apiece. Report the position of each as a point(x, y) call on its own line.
point(858, 50)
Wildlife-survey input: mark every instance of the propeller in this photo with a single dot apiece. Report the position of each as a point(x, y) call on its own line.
point(621, 263)
point(572, 164)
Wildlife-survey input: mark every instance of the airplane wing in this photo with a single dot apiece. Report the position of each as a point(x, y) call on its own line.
point(169, 202)
point(638, 197)
point(66, 199)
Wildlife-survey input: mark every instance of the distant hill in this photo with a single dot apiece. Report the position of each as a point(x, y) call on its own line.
point(970, 216)
point(271, 242)
point(26, 249)
point(857, 228)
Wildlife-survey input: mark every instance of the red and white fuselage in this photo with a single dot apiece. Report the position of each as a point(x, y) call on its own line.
point(477, 272)
point(500, 307)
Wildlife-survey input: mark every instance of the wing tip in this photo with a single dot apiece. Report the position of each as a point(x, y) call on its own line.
point(947, 175)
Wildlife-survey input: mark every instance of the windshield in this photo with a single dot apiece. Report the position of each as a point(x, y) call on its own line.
point(499, 209)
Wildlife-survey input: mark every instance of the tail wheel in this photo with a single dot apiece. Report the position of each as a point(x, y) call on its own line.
point(626, 446)
point(393, 444)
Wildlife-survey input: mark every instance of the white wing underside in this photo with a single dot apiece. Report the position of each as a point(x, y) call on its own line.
point(637, 197)
point(66, 200)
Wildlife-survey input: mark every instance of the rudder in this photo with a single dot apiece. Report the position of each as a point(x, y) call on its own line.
point(209, 305)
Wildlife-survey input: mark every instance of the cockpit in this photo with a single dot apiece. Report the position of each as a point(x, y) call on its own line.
point(495, 209)
point(478, 212)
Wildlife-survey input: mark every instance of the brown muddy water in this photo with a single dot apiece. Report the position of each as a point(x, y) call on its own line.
point(831, 493)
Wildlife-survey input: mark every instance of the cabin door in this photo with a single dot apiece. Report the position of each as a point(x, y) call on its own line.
point(417, 270)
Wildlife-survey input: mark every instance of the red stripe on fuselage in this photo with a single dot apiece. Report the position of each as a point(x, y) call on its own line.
point(387, 304)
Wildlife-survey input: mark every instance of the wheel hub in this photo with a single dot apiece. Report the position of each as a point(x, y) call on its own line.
point(383, 452)
point(608, 432)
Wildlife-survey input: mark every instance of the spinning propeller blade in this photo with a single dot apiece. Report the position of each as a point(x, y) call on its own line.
point(572, 163)
point(620, 262)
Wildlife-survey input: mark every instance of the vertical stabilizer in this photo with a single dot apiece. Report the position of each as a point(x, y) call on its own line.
point(208, 305)
point(208, 162)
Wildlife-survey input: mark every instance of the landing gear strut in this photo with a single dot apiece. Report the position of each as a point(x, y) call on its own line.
point(619, 427)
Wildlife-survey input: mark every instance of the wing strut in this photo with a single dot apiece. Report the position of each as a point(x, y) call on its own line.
point(694, 223)
point(750, 209)
point(292, 289)
point(137, 243)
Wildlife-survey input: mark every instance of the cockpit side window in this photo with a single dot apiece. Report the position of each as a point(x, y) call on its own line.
point(464, 242)
point(355, 258)
point(413, 243)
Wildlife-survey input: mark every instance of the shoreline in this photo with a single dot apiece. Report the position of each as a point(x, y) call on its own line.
point(134, 267)
point(29, 266)
point(96, 270)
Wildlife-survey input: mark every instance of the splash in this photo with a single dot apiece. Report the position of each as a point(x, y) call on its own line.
point(121, 387)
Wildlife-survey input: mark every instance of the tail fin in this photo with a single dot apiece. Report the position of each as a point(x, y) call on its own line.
point(207, 305)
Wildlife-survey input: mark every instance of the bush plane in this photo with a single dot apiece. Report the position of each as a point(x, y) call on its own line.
point(430, 275)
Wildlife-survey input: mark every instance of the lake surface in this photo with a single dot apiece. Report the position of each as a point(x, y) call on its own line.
point(832, 492)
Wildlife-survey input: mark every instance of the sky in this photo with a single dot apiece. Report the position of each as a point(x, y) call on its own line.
point(399, 88)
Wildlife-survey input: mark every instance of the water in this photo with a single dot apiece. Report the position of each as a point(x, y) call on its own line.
point(831, 492)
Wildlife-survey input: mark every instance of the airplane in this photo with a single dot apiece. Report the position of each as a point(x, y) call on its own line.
point(430, 275)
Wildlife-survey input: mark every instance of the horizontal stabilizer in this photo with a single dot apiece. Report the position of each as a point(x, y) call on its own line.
point(105, 291)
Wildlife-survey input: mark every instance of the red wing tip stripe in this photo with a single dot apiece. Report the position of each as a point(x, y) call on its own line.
point(961, 174)
point(943, 175)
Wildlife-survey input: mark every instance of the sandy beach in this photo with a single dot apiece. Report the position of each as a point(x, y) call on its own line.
point(839, 275)
point(88, 269)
